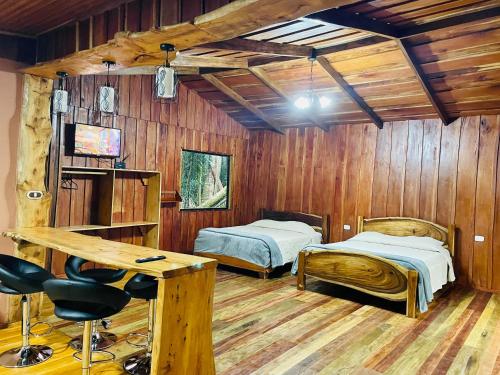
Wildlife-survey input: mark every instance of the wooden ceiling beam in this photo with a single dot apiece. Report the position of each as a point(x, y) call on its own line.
point(450, 22)
point(354, 21)
point(264, 77)
point(359, 22)
point(273, 124)
point(349, 91)
point(209, 62)
point(268, 48)
point(422, 79)
point(130, 49)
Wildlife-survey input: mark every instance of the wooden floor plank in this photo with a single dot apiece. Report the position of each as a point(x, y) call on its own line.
point(267, 327)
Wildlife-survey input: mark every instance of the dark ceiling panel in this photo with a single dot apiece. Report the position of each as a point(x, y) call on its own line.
point(32, 17)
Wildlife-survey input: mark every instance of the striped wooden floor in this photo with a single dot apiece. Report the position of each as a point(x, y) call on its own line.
point(268, 327)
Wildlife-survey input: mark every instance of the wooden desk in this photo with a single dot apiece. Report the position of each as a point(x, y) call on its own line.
point(183, 326)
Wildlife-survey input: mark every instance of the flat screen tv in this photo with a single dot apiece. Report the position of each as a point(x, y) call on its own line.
point(91, 140)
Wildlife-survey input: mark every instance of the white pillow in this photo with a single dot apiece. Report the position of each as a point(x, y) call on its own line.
point(294, 226)
point(422, 243)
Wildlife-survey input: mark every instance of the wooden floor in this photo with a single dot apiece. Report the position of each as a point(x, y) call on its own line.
point(268, 327)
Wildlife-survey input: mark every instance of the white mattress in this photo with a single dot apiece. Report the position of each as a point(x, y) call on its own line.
point(439, 263)
point(289, 241)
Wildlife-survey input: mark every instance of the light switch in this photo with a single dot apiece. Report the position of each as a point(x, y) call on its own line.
point(479, 238)
point(347, 227)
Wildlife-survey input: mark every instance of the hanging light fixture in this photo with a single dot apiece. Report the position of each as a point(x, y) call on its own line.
point(60, 95)
point(166, 79)
point(310, 99)
point(107, 93)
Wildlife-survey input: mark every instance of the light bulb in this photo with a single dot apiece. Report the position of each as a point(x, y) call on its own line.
point(324, 101)
point(302, 102)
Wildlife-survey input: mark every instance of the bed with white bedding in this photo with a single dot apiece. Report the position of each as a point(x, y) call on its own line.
point(394, 258)
point(263, 245)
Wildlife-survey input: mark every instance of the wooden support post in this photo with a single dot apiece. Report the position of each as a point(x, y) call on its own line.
point(301, 271)
point(35, 134)
point(182, 341)
point(411, 300)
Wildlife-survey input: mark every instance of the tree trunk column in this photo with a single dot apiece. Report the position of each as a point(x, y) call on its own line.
point(34, 140)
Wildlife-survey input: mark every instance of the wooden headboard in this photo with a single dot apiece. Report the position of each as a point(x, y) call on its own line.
point(407, 226)
point(320, 224)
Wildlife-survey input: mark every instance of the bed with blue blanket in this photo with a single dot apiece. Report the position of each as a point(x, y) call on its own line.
point(396, 258)
point(265, 244)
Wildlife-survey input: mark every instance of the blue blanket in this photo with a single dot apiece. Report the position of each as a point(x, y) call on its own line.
point(424, 290)
point(256, 248)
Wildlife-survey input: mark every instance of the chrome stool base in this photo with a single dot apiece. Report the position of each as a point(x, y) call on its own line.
point(139, 364)
point(100, 341)
point(25, 356)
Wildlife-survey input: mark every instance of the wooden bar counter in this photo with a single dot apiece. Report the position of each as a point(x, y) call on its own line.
point(183, 327)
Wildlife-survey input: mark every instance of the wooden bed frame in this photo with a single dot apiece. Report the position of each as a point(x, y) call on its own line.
point(372, 274)
point(320, 223)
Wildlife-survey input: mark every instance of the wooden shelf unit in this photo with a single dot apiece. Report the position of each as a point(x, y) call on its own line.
point(102, 213)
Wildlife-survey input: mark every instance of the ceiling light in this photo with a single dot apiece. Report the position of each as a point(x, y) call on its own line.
point(60, 96)
point(302, 102)
point(324, 101)
point(166, 78)
point(107, 93)
point(310, 99)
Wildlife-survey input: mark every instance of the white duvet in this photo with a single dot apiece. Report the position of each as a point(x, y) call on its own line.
point(426, 249)
point(290, 236)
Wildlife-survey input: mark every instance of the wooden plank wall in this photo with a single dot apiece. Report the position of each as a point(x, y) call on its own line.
point(153, 134)
point(136, 15)
point(415, 168)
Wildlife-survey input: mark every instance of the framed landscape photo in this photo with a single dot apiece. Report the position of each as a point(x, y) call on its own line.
point(205, 181)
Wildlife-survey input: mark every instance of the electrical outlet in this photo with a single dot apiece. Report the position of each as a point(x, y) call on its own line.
point(347, 227)
point(34, 194)
point(479, 238)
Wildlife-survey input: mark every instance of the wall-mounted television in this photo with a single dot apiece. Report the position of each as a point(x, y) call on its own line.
point(91, 140)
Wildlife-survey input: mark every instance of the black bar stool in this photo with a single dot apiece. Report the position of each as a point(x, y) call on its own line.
point(142, 287)
point(100, 340)
point(88, 302)
point(20, 277)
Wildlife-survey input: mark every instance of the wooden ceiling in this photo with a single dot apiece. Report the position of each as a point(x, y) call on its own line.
point(33, 17)
point(379, 60)
point(458, 60)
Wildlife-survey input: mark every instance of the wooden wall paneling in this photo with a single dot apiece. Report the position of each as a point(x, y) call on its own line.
point(118, 195)
point(151, 145)
point(99, 29)
point(83, 34)
point(114, 22)
point(336, 189)
point(366, 168)
point(146, 97)
point(448, 169)
point(495, 277)
point(133, 16)
point(135, 88)
point(176, 214)
point(128, 193)
point(140, 163)
point(148, 9)
point(87, 91)
point(169, 12)
point(397, 171)
point(164, 168)
point(381, 172)
point(124, 95)
point(191, 10)
point(430, 169)
point(489, 134)
point(413, 169)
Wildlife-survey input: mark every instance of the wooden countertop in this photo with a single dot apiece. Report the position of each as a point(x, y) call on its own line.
point(112, 253)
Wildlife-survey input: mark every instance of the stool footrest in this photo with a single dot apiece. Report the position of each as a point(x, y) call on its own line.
point(76, 355)
point(134, 334)
point(47, 332)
